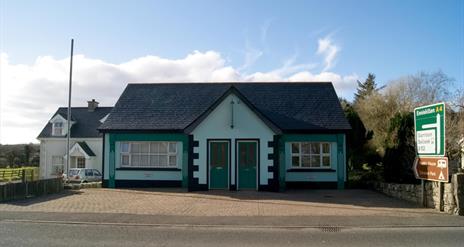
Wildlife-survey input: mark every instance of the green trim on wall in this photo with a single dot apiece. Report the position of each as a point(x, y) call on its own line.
point(309, 138)
point(340, 156)
point(340, 161)
point(111, 163)
point(282, 163)
point(118, 137)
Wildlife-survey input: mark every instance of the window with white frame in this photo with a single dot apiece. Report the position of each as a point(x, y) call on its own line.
point(80, 162)
point(149, 154)
point(57, 165)
point(58, 128)
point(310, 154)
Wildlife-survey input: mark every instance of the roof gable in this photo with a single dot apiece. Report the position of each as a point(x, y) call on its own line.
point(87, 150)
point(80, 148)
point(232, 90)
point(57, 118)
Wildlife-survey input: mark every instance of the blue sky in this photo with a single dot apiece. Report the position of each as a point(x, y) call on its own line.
point(388, 38)
point(149, 41)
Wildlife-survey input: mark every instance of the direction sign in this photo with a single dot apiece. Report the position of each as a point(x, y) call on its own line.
point(431, 168)
point(429, 124)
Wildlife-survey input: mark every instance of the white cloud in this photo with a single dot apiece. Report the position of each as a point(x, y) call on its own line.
point(329, 50)
point(31, 93)
point(251, 56)
point(344, 85)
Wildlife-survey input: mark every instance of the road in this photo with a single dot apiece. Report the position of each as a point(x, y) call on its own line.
point(50, 233)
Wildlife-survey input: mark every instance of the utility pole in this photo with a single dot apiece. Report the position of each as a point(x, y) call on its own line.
point(68, 134)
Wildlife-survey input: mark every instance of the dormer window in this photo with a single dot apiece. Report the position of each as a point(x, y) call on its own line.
point(58, 128)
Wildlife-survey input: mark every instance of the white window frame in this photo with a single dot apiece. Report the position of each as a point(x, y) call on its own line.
point(54, 128)
point(77, 161)
point(57, 166)
point(300, 155)
point(129, 154)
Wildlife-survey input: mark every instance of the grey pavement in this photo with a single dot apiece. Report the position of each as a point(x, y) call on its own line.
point(291, 222)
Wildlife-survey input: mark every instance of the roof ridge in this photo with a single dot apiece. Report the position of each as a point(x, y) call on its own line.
point(85, 107)
point(230, 83)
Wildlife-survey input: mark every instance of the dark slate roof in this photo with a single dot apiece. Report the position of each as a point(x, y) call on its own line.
point(86, 148)
point(291, 107)
point(86, 123)
point(297, 106)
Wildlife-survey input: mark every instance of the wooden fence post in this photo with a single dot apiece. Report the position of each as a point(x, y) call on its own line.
point(424, 194)
point(4, 192)
point(24, 178)
point(441, 187)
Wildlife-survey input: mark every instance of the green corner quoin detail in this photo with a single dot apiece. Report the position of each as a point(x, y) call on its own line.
point(338, 138)
point(113, 138)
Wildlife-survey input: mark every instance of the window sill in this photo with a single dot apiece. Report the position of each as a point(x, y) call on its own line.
point(147, 169)
point(311, 170)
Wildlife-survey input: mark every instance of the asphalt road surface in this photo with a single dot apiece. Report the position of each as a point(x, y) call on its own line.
point(52, 233)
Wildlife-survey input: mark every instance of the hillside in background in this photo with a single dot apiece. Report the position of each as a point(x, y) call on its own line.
point(19, 155)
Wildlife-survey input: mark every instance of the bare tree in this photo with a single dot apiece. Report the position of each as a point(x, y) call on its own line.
point(402, 96)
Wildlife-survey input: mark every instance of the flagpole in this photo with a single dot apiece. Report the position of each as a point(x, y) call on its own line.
point(68, 125)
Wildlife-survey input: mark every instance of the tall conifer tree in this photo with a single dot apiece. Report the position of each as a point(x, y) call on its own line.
point(365, 88)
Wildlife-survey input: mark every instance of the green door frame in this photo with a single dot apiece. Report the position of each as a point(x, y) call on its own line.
point(208, 152)
point(258, 156)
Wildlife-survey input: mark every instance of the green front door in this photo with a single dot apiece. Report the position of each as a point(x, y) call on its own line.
point(247, 164)
point(219, 164)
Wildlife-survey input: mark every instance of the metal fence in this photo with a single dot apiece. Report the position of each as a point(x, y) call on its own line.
point(27, 189)
point(19, 174)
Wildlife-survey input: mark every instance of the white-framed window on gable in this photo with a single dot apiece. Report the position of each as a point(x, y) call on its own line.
point(80, 162)
point(57, 165)
point(57, 128)
point(310, 154)
point(148, 154)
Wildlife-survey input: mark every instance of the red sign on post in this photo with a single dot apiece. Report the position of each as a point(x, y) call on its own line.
point(431, 168)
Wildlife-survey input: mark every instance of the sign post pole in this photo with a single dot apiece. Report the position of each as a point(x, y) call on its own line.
point(442, 203)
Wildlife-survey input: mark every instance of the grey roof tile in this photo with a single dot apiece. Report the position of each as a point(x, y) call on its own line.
point(174, 106)
point(86, 122)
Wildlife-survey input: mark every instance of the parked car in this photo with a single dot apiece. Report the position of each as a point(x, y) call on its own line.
point(82, 175)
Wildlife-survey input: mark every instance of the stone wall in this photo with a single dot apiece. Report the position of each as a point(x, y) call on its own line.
point(453, 193)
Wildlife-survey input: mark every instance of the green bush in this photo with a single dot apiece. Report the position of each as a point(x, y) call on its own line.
point(401, 151)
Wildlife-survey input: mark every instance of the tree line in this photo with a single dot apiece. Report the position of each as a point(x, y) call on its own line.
point(381, 145)
point(19, 155)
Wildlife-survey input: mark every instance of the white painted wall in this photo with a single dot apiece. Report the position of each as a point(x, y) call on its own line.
point(50, 147)
point(246, 125)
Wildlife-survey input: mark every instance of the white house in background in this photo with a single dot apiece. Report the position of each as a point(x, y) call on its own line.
point(85, 141)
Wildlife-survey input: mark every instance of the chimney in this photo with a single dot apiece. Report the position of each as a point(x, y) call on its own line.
point(92, 105)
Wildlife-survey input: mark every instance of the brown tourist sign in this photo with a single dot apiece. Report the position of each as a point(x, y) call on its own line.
point(431, 168)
